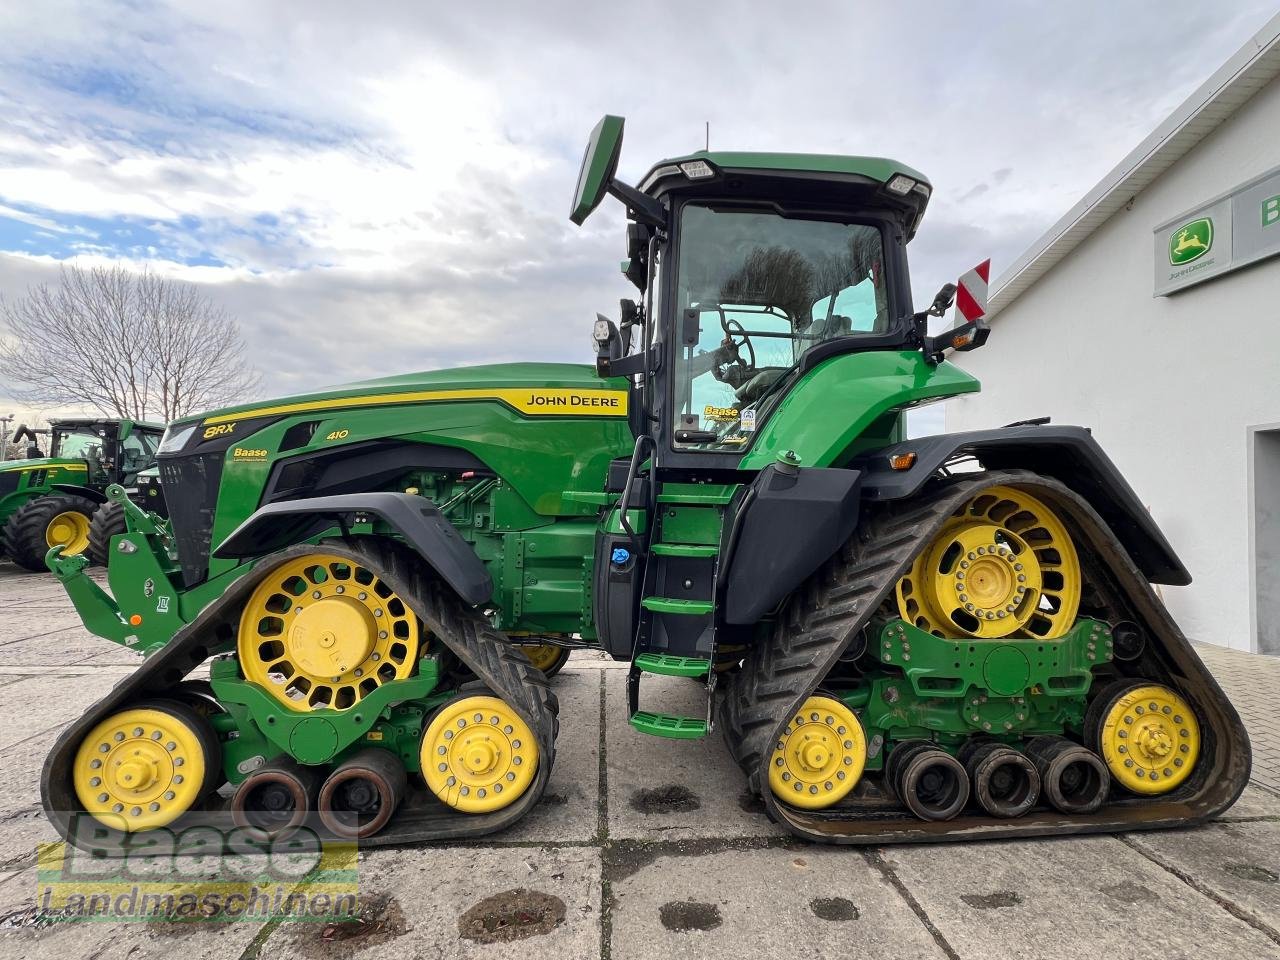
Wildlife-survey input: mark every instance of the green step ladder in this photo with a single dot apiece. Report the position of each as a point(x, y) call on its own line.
point(665, 725)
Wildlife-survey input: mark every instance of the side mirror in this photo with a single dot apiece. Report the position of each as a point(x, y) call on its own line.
point(942, 302)
point(599, 164)
point(608, 344)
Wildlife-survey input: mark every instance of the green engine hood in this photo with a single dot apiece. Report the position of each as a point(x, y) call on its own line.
point(42, 463)
point(491, 379)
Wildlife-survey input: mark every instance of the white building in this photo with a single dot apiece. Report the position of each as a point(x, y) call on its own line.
point(1151, 313)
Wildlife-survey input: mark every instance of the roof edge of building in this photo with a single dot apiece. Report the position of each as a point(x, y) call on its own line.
point(1254, 64)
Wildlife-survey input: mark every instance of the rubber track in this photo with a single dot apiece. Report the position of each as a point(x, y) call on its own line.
point(828, 612)
point(485, 651)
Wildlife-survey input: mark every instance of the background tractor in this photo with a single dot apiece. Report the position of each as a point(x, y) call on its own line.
point(899, 639)
point(50, 501)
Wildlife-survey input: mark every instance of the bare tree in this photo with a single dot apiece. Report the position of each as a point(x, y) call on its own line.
point(130, 344)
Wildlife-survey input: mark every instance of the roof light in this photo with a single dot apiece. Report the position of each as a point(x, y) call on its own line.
point(697, 169)
point(900, 184)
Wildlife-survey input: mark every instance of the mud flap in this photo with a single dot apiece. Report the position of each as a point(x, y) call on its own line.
point(828, 613)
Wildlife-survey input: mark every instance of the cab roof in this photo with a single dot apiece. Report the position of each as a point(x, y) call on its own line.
point(668, 174)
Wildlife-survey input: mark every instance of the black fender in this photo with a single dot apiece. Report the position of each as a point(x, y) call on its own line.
point(424, 528)
point(780, 529)
point(1068, 454)
point(75, 489)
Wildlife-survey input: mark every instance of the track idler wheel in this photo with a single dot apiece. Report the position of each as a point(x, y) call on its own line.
point(820, 757)
point(931, 783)
point(275, 800)
point(144, 767)
point(1073, 779)
point(1005, 782)
point(362, 793)
point(478, 755)
point(547, 657)
point(1147, 734)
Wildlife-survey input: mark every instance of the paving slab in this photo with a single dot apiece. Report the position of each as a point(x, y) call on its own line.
point(1050, 899)
point(20, 623)
point(569, 809)
point(417, 903)
point(35, 704)
point(1254, 803)
point(673, 789)
point(62, 648)
point(1236, 863)
point(21, 938)
point(794, 901)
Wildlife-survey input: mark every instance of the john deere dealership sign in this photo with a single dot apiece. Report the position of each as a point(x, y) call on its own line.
point(1229, 232)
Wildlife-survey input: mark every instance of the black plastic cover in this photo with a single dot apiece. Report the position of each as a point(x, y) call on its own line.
point(1068, 454)
point(415, 518)
point(790, 524)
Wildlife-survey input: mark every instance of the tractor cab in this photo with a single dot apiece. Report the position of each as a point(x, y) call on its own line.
point(754, 269)
point(774, 343)
point(115, 451)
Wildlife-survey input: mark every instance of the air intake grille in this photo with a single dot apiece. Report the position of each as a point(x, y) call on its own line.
point(191, 493)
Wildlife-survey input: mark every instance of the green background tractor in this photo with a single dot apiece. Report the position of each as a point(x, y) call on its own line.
point(899, 639)
point(48, 501)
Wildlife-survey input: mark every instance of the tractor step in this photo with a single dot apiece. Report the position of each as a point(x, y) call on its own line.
point(665, 725)
point(692, 608)
point(683, 550)
point(670, 665)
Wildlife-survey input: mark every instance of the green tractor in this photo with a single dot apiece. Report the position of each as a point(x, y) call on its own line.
point(52, 501)
point(899, 639)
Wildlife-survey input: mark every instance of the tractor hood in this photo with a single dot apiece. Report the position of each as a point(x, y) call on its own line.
point(546, 384)
point(42, 463)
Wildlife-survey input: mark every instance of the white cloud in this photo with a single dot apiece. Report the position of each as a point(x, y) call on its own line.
point(387, 191)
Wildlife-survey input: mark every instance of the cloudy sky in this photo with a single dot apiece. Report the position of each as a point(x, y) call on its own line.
point(387, 190)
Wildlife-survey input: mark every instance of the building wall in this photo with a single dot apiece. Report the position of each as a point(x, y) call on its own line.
point(1170, 385)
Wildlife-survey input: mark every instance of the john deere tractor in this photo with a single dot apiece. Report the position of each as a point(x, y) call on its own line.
point(899, 639)
point(51, 501)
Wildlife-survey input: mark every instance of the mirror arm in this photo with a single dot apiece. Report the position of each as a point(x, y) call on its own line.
point(643, 208)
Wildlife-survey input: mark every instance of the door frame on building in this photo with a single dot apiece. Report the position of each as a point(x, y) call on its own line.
point(1254, 437)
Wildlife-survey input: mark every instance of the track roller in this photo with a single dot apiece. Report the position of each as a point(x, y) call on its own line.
point(275, 800)
point(933, 784)
point(478, 755)
point(362, 793)
point(1005, 782)
point(1073, 779)
point(1146, 732)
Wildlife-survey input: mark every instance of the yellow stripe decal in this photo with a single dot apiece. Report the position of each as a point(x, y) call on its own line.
point(531, 401)
point(57, 466)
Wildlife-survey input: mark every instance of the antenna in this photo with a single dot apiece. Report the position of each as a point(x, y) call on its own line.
point(708, 143)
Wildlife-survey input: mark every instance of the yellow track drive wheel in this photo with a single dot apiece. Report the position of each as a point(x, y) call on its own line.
point(820, 756)
point(478, 755)
point(1146, 733)
point(322, 632)
point(547, 657)
point(144, 767)
point(69, 530)
point(1003, 566)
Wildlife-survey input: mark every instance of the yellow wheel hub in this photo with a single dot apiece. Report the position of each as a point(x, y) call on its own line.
point(1150, 739)
point(1004, 565)
point(139, 769)
point(542, 655)
point(820, 756)
point(478, 755)
point(321, 632)
point(69, 530)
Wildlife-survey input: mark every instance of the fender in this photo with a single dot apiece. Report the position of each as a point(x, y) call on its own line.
point(1066, 453)
point(416, 519)
point(781, 529)
point(87, 492)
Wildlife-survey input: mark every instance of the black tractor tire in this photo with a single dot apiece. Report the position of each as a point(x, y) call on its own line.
point(107, 522)
point(24, 534)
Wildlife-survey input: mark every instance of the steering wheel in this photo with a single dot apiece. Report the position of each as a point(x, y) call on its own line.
point(733, 348)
